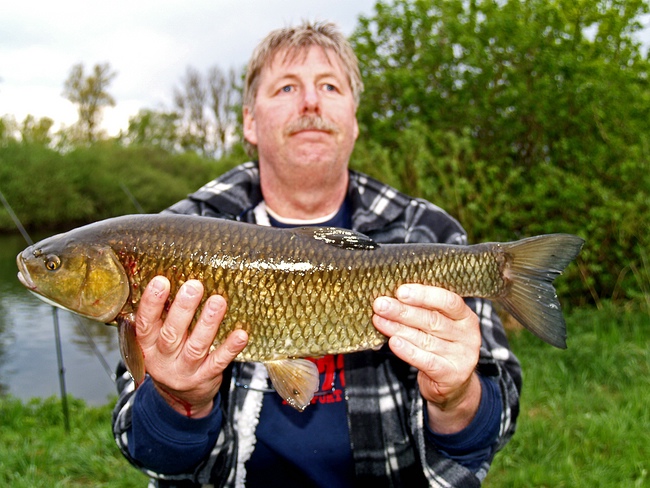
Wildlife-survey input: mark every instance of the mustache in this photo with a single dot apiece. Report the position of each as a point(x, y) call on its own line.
point(311, 123)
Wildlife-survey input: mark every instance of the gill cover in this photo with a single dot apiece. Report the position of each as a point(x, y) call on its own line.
point(86, 279)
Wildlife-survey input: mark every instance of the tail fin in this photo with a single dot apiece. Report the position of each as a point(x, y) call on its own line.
point(535, 263)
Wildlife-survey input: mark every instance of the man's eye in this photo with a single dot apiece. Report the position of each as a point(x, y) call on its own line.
point(329, 87)
point(287, 89)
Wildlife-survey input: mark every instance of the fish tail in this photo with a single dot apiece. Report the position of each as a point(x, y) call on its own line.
point(531, 299)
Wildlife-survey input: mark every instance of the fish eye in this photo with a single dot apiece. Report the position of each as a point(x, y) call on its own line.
point(52, 262)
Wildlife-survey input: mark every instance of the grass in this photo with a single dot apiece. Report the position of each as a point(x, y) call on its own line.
point(585, 412)
point(35, 450)
point(584, 421)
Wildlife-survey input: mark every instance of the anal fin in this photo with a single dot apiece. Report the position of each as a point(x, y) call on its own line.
point(130, 349)
point(295, 380)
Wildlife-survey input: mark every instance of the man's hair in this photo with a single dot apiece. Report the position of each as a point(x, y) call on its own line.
point(295, 41)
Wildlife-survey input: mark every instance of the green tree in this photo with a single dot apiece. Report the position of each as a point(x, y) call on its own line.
point(207, 109)
point(8, 128)
point(89, 93)
point(190, 101)
point(36, 131)
point(520, 117)
point(30, 131)
point(154, 129)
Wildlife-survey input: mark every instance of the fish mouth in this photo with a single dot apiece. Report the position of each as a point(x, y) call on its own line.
point(23, 275)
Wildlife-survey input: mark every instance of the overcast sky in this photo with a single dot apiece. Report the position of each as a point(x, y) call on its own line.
point(149, 43)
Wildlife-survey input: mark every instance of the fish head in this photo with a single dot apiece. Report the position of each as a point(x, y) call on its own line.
point(84, 278)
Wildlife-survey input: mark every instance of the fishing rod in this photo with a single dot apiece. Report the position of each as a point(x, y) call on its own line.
point(89, 339)
point(98, 354)
point(134, 200)
point(55, 319)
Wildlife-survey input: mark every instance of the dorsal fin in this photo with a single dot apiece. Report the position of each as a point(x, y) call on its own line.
point(343, 238)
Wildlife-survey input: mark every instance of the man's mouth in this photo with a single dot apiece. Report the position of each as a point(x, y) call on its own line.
point(311, 124)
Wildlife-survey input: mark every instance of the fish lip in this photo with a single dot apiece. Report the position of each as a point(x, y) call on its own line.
point(23, 275)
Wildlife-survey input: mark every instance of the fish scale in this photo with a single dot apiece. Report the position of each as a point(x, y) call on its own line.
point(297, 292)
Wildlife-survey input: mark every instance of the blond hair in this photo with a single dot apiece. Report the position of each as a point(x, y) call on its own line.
point(295, 41)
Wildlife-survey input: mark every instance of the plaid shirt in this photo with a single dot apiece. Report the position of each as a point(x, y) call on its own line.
point(385, 409)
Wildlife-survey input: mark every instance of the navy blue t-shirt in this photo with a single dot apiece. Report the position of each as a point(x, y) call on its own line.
point(323, 457)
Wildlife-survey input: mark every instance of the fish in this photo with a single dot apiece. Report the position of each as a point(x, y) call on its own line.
point(298, 293)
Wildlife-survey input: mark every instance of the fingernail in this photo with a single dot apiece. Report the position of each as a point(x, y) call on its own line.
point(240, 339)
point(404, 292)
point(157, 286)
point(190, 289)
point(382, 304)
point(213, 306)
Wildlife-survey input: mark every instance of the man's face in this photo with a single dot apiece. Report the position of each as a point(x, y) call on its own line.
point(304, 114)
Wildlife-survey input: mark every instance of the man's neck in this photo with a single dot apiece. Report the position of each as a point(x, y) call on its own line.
point(303, 199)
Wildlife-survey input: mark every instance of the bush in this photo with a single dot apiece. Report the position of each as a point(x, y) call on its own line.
point(50, 190)
point(518, 123)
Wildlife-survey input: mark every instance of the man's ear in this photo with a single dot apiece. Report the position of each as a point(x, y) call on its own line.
point(250, 128)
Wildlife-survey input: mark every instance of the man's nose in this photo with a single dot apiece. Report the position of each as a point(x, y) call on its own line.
point(311, 101)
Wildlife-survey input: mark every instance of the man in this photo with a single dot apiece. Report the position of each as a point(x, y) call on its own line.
point(431, 408)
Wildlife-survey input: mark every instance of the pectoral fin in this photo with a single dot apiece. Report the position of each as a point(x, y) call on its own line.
point(295, 380)
point(130, 349)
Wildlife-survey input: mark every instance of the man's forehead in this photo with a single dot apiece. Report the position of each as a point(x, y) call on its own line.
point(289, 56)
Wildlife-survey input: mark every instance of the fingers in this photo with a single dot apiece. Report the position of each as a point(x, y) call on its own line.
point(200, 340)
point(221, 357)
point(198, 344)
point(434, 298)
point(429, 309)
point(185, 371)
point(433, 330)
point(179, 318)
point(151, 307)
point(431, 360)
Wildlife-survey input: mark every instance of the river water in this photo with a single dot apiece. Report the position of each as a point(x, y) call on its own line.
point(28, 359)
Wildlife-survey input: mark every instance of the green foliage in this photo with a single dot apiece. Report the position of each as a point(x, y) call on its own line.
point(153, 129)
point(519, 118)
point(51, 190)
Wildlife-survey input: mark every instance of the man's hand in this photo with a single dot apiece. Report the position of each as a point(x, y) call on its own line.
point(436, 332)
point(184, 371)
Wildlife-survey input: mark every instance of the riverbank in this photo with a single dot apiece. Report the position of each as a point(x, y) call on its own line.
point(584, 418)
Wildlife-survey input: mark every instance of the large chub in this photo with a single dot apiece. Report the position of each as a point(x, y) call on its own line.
point(533, 264)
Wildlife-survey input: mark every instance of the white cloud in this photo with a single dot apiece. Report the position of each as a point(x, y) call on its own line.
point(148, 43)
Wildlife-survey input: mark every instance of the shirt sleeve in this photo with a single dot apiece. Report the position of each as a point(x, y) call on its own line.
point(165, 441)
point(475, 444)
point(214, 461)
